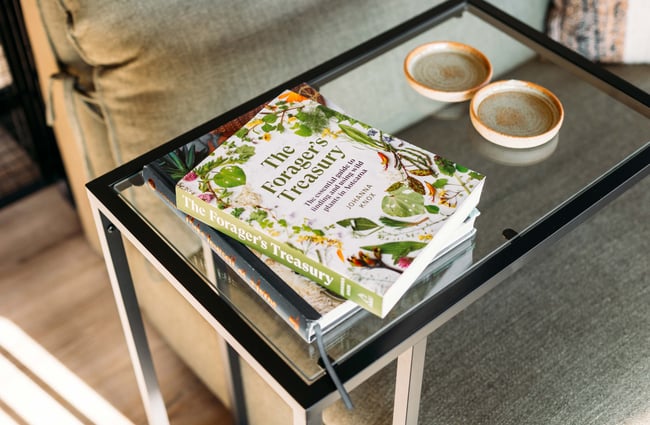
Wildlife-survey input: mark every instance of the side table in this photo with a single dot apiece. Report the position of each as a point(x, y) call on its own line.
point(295, 374)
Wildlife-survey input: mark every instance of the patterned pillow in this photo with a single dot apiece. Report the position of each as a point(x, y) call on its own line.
point(608, 31)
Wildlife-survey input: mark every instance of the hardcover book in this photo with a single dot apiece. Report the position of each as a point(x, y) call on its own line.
point(438, 275)
point(299, 301)
point(296, 299)
point(356, 210)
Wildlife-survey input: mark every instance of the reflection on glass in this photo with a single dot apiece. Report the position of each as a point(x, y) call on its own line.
point(511, 156)
point(5, 75)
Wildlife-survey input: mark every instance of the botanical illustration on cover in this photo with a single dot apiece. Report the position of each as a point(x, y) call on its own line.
point(355, 199)
point(179, 162)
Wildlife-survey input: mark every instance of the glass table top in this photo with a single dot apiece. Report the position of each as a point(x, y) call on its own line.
point(604, 125)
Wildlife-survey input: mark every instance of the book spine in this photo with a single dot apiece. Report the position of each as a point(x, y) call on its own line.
point(281, 252)
point(242, 271)
point(240, 268)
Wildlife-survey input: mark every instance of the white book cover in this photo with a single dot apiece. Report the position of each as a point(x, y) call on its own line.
point(354, 209)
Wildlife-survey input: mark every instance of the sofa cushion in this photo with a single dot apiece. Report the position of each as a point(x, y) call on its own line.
point(161, 68)
point(608, 31)
point(55, 18)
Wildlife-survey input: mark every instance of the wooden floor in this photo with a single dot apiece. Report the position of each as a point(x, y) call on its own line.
point(56, 289)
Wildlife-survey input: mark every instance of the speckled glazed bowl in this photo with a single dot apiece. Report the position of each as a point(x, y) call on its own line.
point(516, 114)
point(447, 71)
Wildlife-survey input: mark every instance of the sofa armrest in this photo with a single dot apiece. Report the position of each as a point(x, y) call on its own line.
point(62, 124)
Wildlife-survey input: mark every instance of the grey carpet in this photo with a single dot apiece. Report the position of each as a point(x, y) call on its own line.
point(563, 341)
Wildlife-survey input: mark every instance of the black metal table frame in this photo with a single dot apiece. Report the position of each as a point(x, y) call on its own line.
point(405, 339)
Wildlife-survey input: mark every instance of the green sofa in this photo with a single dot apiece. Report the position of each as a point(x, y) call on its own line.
point(126, 76)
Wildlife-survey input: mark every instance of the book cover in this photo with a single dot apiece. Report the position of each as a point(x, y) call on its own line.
point(296, 299)
point(356, 210)
point(439, 274)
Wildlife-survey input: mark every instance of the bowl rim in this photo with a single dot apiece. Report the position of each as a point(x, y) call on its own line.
point(510, 140)
point(451, 46)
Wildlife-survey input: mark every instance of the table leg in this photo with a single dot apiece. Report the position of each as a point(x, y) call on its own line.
point(408, 384)
point(307, 417)
point(233, 366)
point(132, 324)
point(236, 386)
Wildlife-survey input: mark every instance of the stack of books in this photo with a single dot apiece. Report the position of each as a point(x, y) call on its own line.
point(323, 216)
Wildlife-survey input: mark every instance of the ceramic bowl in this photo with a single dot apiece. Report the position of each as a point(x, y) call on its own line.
point(447, 71)
point(516, 114)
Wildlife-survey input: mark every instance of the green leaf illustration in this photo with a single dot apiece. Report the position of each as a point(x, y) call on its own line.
point(446, 166)
point(261, 217)
point(241, 132)
point(440, 183)
point(359, 136)
point(204, 169)
point(358, 224)
point(176, 160)
point(399, 224)
point(461, 168)
point(244, 153)
point(476, 176)
point(403, 202)
point(397, 250)
point(230, 176)
point(181, 161)
point(270, 118)
point(268, 127)
point(315, 120)
point(432, 209)
point(303, 131)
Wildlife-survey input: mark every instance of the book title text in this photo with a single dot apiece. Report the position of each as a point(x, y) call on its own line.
point(299, 170)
